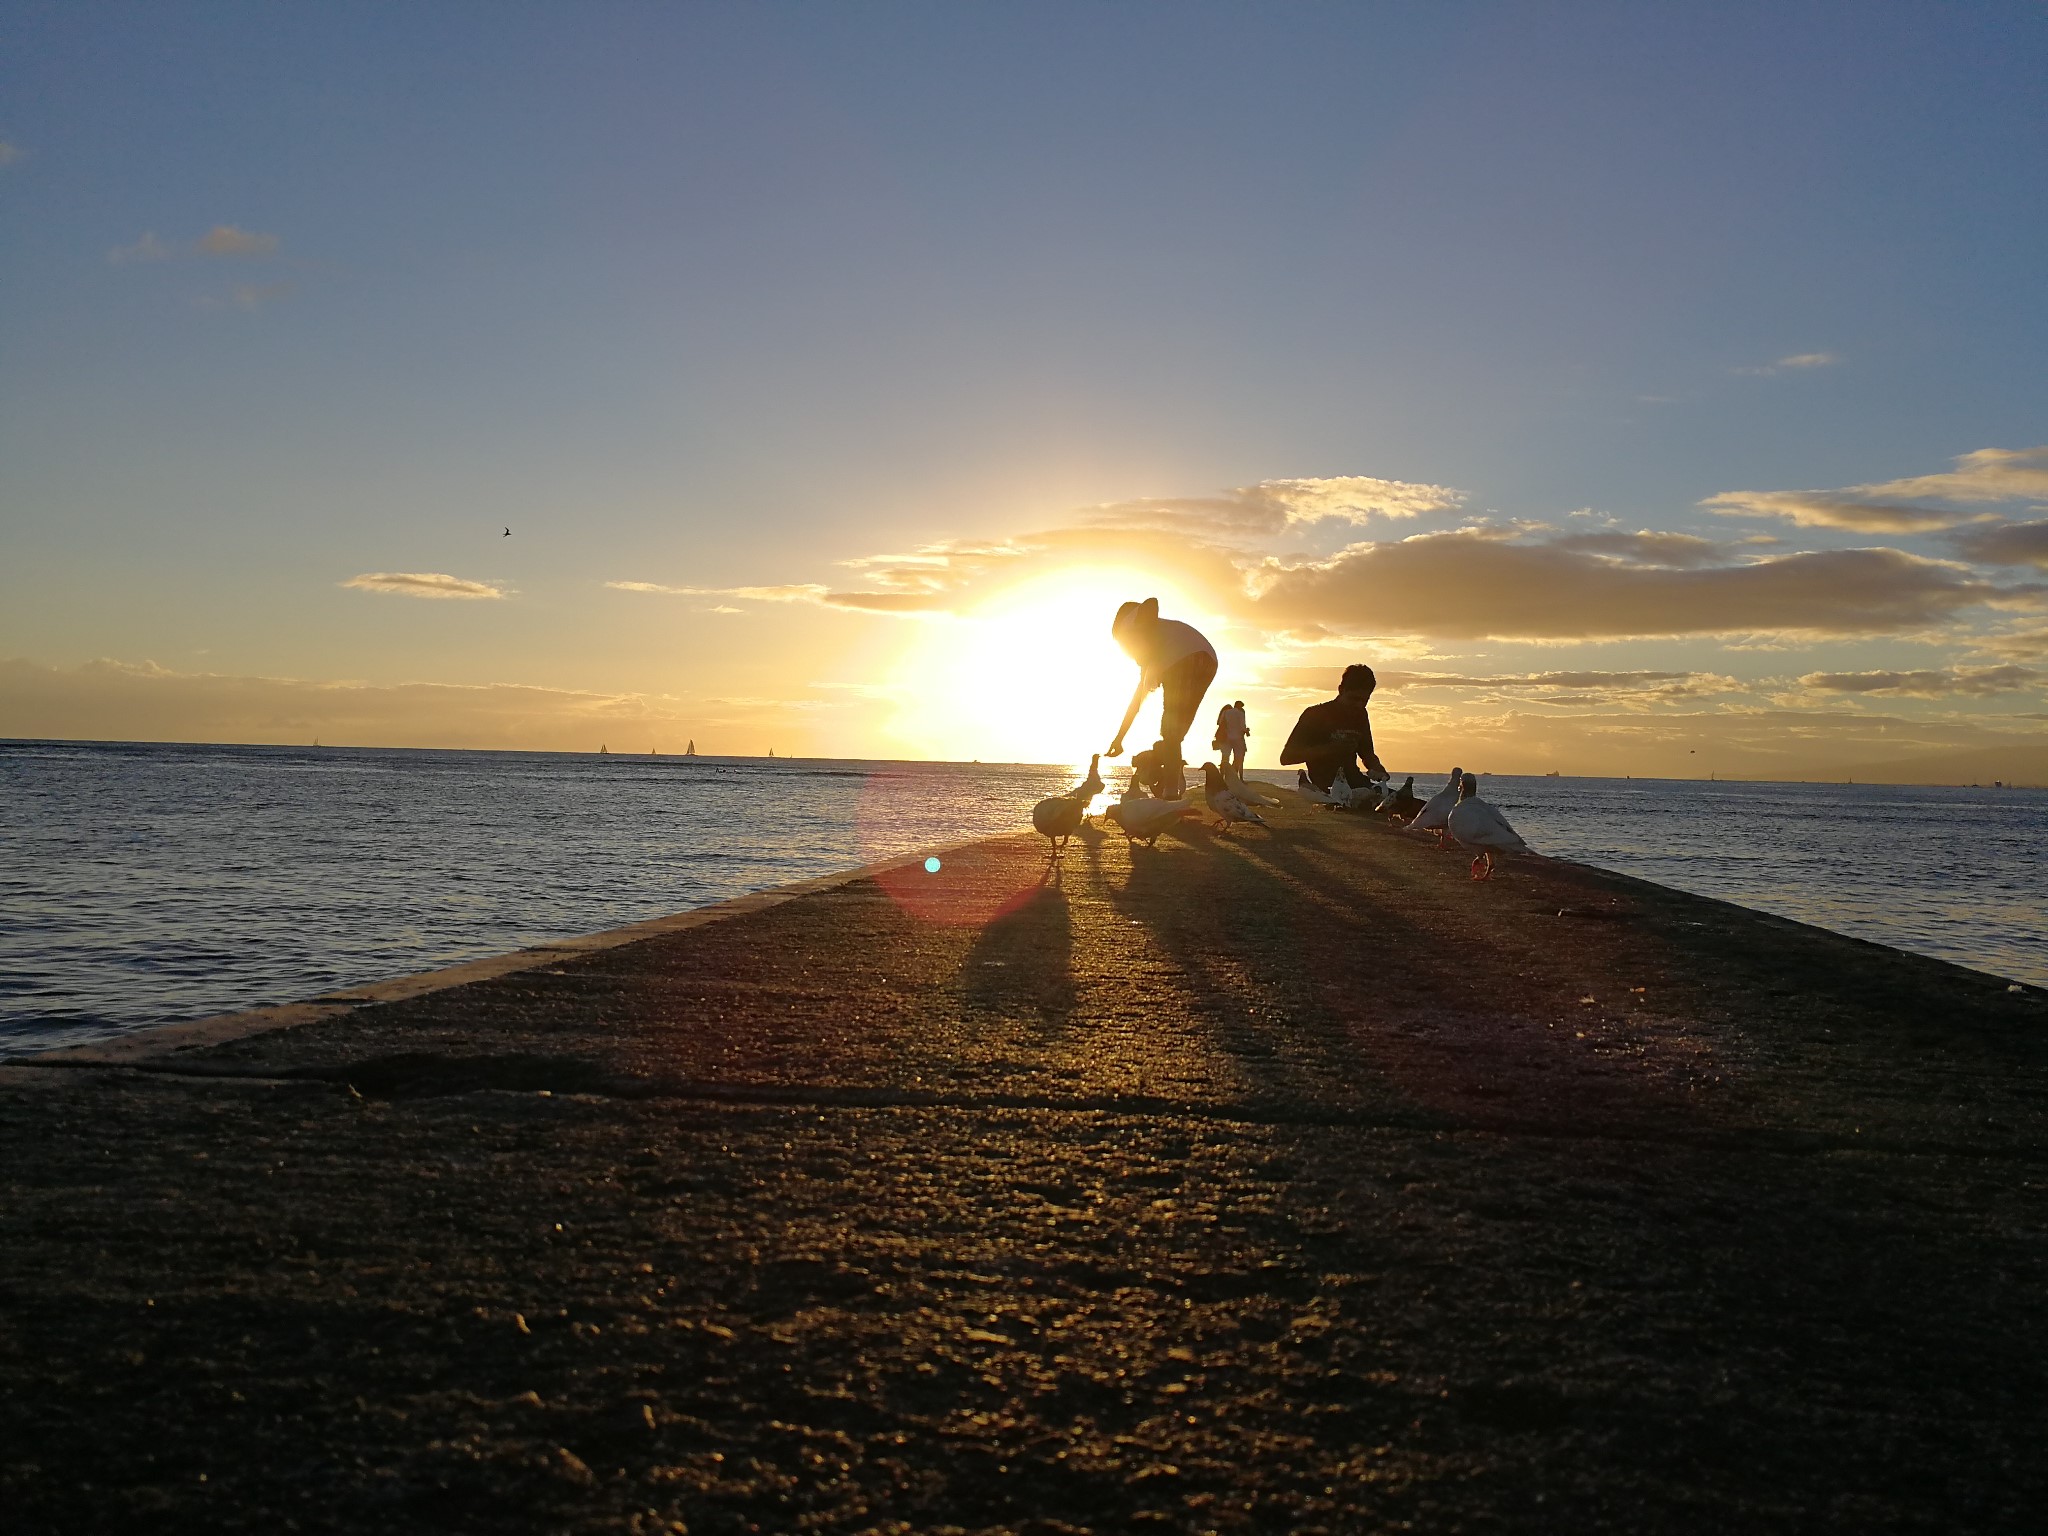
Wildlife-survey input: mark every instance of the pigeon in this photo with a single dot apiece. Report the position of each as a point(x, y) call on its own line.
point(1248, 791)
point(1143, 817)
point(1435, 815)
point(1305, 787)
point(1479, 826)
point(1092, 786)
point(1403, 802)
point(1228, 808)
point(1059, 818)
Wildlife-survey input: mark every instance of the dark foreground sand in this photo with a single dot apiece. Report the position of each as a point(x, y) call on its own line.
point(1289, 1183)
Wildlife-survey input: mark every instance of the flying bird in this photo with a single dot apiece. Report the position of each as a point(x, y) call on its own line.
point(508, 533)
point(1435, 815)
point(1478, 825)
point(1228, 808)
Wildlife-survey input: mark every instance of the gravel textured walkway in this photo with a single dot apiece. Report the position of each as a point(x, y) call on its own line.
point(1288, 1181)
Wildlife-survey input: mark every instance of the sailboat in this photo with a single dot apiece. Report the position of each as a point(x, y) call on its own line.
point(691, 749)
point(603, 751)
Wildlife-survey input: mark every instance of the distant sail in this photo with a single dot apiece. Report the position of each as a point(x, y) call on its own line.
point(605, 751)
point(691, 749)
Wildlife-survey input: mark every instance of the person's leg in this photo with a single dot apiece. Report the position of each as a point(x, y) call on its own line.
point(1181, 693)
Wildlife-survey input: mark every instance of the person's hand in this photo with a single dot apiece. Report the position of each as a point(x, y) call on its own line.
point(1116, 748)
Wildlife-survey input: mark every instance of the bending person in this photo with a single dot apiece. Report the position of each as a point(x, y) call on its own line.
point(1335, 736)
point(1176, 659)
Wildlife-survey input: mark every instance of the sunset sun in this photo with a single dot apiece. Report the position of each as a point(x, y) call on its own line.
point(1031, 676)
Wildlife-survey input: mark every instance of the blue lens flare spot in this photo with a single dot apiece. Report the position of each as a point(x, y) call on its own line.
point(931, 865)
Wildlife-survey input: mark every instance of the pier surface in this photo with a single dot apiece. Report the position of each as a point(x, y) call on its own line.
point(1286, 1181)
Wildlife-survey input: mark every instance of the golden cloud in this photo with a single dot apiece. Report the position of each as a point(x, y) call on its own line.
point(1273, 506)
point(1885, 506)
point(1931, 683)
point(1467, 585)
point(423, 584)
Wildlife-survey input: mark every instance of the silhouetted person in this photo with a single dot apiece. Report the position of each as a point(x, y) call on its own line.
point(1232, 732)
point(1335, 736)
point(1176, 659)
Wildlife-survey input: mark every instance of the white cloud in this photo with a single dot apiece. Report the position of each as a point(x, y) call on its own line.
point(228, 240)
point(423, 584)
point(148, 248)
point(1832, 509)
point(221, 240)
point(1797, 361)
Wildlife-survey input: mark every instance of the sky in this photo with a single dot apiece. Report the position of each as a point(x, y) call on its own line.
point(1639, 389)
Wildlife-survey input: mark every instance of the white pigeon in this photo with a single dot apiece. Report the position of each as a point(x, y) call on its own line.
point(1249, 791)
point(1143, 817)
point(1228, 808)
point(1435, 815)
point(1305, 787)
point(1479, 826)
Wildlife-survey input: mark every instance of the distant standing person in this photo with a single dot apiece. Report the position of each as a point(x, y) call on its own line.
point(1232, 732)
point(1178, 660)
point(1335, 736)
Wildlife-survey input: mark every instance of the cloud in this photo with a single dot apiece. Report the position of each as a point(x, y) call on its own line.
point(1466, 585)
point(1797, 361)
point(1646, 548)
point(2005, 544)
point(228, 240)
point(1886, 506)
point(10, 153)
point(422, 584)
point(221, 240)
point(1989, 474)
point(1831, 509)
point(148, 248)
point(1275, 506)
point(800, 592)
point(1947, 682)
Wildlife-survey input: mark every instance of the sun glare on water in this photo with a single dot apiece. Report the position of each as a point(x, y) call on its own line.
point(1032, 676)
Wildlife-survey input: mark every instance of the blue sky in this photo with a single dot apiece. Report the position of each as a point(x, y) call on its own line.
point(721, 296)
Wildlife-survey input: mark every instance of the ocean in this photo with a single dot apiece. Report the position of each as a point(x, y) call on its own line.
point(143, 884)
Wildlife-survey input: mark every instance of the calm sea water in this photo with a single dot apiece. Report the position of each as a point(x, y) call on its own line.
point(144, 884)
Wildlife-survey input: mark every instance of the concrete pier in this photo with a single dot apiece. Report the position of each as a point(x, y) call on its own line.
point(1279, 1181)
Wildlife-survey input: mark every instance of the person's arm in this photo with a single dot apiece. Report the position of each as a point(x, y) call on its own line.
point(1145, 686)
point(1302, 740)
point(1370, 758)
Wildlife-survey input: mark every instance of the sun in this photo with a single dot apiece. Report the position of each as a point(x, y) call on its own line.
point(1033, 675)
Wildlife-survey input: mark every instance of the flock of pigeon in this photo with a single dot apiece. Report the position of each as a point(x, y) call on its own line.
point(1454, 813)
